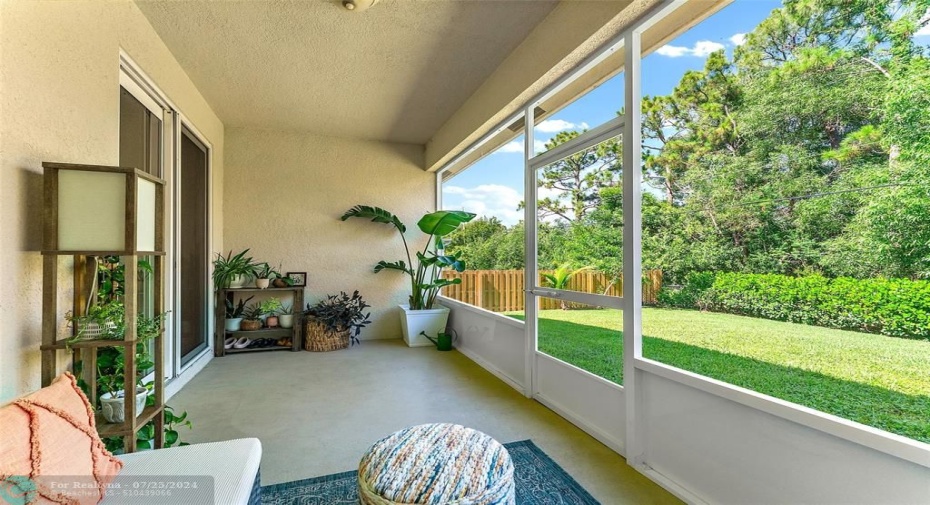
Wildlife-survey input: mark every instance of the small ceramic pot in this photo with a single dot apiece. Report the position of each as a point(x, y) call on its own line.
point(286, 321)
point(233, 323)
point(271, 321)
point(113, 408)
point(262, 283)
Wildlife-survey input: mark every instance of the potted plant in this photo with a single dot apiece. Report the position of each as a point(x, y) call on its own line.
point(286, 316)
point(232, 271)
point(269, 308)
point(280, 280)
point(251, 318)
point(263, 275)
point(234, 313)
point(335, 321)
point(110, 371)
point(103, 320)
point(112, 403)
point(421, 314)
point(108, 308)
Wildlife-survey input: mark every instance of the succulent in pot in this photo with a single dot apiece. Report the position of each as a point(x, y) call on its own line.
point(270, 308)
point(232, 271)
point(286, 316)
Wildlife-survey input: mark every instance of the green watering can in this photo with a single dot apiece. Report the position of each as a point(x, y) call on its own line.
point(443, 341)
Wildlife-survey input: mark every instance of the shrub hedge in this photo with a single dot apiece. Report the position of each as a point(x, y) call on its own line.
point(690, 292)
point(893, 307)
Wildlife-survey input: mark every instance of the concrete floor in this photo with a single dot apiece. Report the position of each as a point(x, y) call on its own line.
point(316, 413)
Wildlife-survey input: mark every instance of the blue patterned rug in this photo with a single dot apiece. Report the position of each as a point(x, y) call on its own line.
point(539, 481)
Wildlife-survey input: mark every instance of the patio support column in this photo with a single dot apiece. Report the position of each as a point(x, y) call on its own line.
point(532, 270)
point(632, 244)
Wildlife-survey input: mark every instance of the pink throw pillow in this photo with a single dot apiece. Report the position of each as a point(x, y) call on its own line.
point(52, 433)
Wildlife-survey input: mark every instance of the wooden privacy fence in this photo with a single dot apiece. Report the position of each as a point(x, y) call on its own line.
point(502, 290)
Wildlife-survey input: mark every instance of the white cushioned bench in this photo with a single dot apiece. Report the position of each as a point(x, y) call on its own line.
point(233, 464)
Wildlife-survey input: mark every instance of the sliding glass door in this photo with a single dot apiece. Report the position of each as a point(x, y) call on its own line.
point(155, 138)
point(193, 288)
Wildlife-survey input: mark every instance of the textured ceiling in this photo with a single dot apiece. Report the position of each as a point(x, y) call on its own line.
point(395, 72)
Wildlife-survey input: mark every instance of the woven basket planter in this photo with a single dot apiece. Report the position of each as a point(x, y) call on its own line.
point(250, 325)
point(318, 339)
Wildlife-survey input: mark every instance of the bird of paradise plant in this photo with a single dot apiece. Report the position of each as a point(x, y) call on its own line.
point(426, 275)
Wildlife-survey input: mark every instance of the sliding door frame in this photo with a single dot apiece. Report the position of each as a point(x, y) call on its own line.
point(135, 80)
point(185, 124)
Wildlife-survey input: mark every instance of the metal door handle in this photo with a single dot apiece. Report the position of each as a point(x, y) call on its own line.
point(548, 294)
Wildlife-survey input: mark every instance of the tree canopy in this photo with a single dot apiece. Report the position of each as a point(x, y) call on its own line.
point(807, 151)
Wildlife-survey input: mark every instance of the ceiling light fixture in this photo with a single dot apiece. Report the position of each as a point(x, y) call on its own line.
point(358, 5)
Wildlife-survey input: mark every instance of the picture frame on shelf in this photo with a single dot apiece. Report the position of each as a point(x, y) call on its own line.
point(299, 278)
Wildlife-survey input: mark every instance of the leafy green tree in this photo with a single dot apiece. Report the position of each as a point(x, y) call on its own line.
point(578, 178)
point(694, 120)
point(808, 152)
point(475, 242)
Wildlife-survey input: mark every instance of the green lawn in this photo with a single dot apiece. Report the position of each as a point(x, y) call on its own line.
point(872, 379)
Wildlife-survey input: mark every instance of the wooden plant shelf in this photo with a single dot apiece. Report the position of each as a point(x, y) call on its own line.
point(86, 351)
point(60, 252)
point(262, 333)
point(231, 294)
point(259, 349)
point(259, 290)
point(84, 344)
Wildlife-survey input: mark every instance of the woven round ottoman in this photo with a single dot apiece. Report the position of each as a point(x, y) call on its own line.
point(433, 464)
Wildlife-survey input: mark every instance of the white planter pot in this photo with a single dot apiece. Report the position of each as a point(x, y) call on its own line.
point(238, 281)
point(233, 323)
point(262, 283)
point(286, 321)
point(432, 321)
point(113, 408)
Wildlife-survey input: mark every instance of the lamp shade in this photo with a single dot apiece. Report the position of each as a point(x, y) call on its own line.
point(102, 210)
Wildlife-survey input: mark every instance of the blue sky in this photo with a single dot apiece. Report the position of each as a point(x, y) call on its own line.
point(494, 185)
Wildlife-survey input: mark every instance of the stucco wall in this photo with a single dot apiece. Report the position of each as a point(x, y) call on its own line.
point(285, 192)
point(59, 101)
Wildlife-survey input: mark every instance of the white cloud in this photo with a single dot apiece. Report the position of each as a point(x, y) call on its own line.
point(705, 48)
point(701, 49)
point(517, 147)
point(672, 51)
point(558, 125)
point(738, 39)
point(486, 200)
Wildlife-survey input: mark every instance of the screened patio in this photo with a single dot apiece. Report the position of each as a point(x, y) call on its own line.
point(303, 117)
